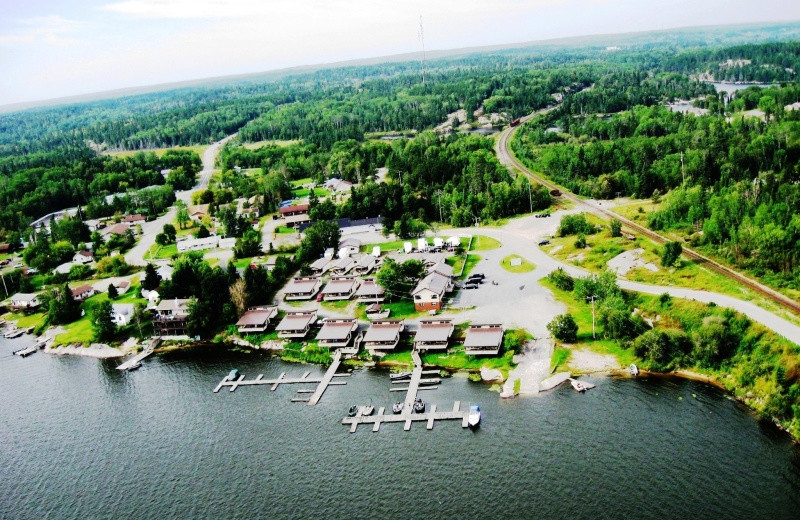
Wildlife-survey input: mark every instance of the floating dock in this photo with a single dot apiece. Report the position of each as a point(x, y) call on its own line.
point(407, 416)
point(323, 382)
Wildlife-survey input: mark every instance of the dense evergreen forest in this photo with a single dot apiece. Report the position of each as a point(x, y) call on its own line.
point(49, 157)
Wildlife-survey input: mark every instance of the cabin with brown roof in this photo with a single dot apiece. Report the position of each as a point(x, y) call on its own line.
point(302, 288)
point(483, 340)
point(170, 317)
point(383, 334)
point(291, 211)
point(296, 325)
point(199, 211)
point(370, 291)
point(256, 319)
point(337, 333)
point(430, 291)
point(83, 292)
point(340, 288)
point(433, 334)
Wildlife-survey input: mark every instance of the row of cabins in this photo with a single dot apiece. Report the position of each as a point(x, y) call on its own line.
point(337, 288)
point(359, 265)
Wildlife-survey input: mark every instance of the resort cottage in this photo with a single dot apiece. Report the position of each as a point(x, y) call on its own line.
point(483, 340)
point(383, 334)
point(433, 334)
point(295, 325)
point(337, 333)
point(256, 319)
point(302, 288)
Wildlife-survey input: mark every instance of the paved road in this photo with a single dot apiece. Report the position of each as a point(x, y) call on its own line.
point(505, 156)
point(150, 229)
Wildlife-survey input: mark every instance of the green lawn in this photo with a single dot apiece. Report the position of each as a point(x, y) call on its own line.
point(524, 267)
point(401, 309)
point(338, 305)
point(284, 230)
point(305, 192)
point(25, 320)
point(199, 149)
point(394, 245)
point(471, 262)
point(300, 182)
point(76, 332)
point(484, 243)
point(157, 251)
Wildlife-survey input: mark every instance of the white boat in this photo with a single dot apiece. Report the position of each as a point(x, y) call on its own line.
point(419, 405)
point(376, 312)
point(474, 417)
point(14, 333)
point(634, 370)
point(577, 385)
point(367, 410)
point(397, 407)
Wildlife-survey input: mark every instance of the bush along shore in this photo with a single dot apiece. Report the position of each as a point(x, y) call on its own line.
point(687, 338)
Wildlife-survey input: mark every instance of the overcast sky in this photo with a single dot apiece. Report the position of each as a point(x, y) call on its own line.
point(55, 48)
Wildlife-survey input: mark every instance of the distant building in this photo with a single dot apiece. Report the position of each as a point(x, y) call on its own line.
point(256, 319)
point(291, 211)
point(137, 218)
point(117, 229)
point(370, 291)
point(321, 265)
point(83, 292)
point(340, 288)
point(83, 257)
point(199, 211)
point(483, 340)
point(198, 244)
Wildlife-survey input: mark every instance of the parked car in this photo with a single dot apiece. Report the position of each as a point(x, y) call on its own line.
point(470, 285)
point(544, 242)
point(477, 275)
point(320, 296)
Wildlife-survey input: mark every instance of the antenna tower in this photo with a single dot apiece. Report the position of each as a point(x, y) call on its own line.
point(422, 41)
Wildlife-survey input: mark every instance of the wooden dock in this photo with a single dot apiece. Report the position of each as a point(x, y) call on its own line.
point(407, 418)
point(322, 382)
point(135, 360)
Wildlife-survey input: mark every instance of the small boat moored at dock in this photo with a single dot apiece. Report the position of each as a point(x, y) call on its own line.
point(400, 375)
point(13, 333)
point(474, 417)
point(633, 369)
point(352, 411)
point(419, 405)
point(233, 374)
point(577, 385)
point(397, 407)
point(368, 410)
point(27, 351)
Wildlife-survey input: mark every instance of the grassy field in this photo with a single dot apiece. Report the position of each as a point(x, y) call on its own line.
point(560, 357)
point(25, 320)
point(524, 267)
point(394, 245)
point(338, 305)
point(305, 192)
point(284, 230)
point(199, 149)
point(76, 332)
point(300, 182)
point(401, 309)
point(469, 265)
point(157, 251)
point(582, 312)
point(484, 243)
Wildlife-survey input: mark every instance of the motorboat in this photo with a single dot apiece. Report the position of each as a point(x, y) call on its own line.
point(14, 333)
point(577, 385)
point(368, 410)
point(234, 374)
point(419, 405)
point(352, 411)
point(400, 375)
point(136, 365)
point(397, 407)
point(474, 417)
point(633, 369)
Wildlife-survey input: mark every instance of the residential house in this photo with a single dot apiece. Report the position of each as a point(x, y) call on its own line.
point(116, 229)
point(340, 288)
point(121, 313)
point(430, 291)
point(292, 211)
point(83, 257)
point(138, 218)
point(248, 208)
point(365, 264)
point(370, 291)
point(349, 246)
point(83, 292)
point(256, 319)
point(122, 286)
point(171, 317)
point(442, 268)
point(321, 265)
point(302, 288)
point(199, 211)
point(25, 301)
point(337, 333)
point(383, 334)
point(198, 244)
point(296, 325)
point(433, 334)
point(483, 340)
point(343, 265)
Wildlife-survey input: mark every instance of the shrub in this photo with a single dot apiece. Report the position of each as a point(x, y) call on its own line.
point(580, 242)
point(616, 228)
point(564, 328)
point(672, 250)
point(561, 279)
point(575, 225)
point(663, 349)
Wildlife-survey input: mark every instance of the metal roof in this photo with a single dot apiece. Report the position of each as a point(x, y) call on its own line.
point(256, 317)
point(434, 282)
point(483, 336)
point(336, 330)
point(298, 321)
point(434, 332)
point(383, 331)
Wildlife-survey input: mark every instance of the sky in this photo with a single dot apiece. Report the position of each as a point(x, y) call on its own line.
point(57, 48)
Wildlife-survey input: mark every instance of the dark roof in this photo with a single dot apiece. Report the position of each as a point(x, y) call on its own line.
point(294, 209)
point(81, 290)
point(434, 332)
point(256, 317)
point(336, 330)
point(296, 321)
point(483, 336)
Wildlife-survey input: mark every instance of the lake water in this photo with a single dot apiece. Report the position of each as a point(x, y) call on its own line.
point(81, 440)
point(730, 88)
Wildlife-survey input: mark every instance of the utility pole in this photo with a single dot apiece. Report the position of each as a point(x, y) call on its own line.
point(422, 41)
point(530, 198)
point(4, 284)
point(439, 192)
point(683, 170)
point(476, 219)
point(592, 298)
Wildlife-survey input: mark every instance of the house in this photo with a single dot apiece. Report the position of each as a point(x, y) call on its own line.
point(83, 292)
point(343, 265)
point(443, 269)
point(292, 211)
point(349, 246)
point(370, 291)
point(248, 208)
point(321, 265)
point(197, 212)
point(171, 317)
point(122, 286)
point(165, 272)
point(340, 288)
point(198, 244)
point(117, 229)
point(433, 334)
point(138, 218)
point(365, 264)
point(256, 319)
point(430, 291)
point(121, 313)
point(383, 334)
point(302, 288)
point(337, 333)
point(5, 248)
point(296, 324)
point(25, 301)
point(483, 340)
point(152, 298)
point(337, 185)
point(83, 257)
